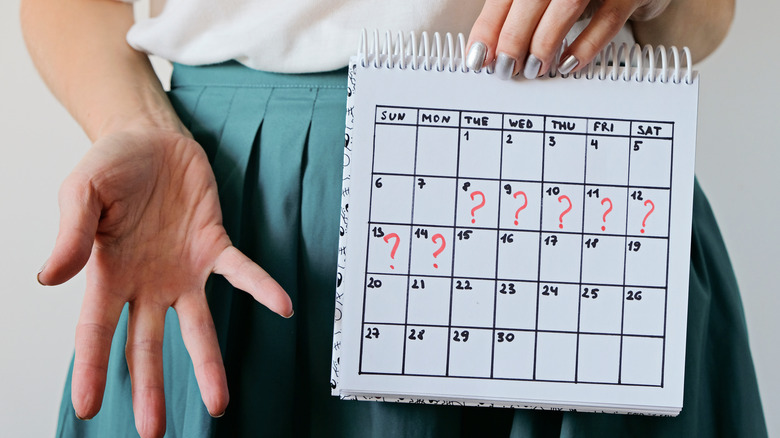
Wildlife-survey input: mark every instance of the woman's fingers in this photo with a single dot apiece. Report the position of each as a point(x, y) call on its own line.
point(246, 275)
point(94, 331)
point(145, 329)
point(526, 35)
point(79, 216)
point(553, 26)
point(200, 338)
point(484, 34)
point(606, 23)
point(515, 38)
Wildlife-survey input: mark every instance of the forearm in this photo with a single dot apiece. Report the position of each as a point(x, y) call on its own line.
point(700, 25)
point(80, 51)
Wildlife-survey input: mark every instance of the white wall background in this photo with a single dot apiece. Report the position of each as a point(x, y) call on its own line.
point(737, 164)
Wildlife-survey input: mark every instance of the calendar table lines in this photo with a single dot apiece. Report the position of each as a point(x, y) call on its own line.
point(515, 280)
point(513, 246)
point(527, 230)
point(512, 379)
point(649, 187)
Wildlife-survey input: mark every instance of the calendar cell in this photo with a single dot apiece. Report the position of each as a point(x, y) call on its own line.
point(644, 311)
point(641, 360)
point(605, 209)
point(430, 194)
point(429, 300)
point(598, 359)
point(601, 309)
point(523, 123)
point(564, 158)
point(651, 129)
point(513, 354)
point(610, 127)
point(607, 161)
point(394, 148)
point(556, 356)
point(518, 254)
point(383, 349)
point(437, 151)
point(554, 124)
point(475, 252)
point(480, 153)
point(472, 302)
point(470, 352)
point(562, 207)
point(646, 262)
point(648, 212)
point(385, 299)
point(520, 206)
point(431, 251)
point(522, 156)
point(516, 304)
point(395, 115)
point(391, 199)
point(388, 249)
point(651, 162)
point(602, 259)
point(560, 257)
point(430, 117)
point(426, 350)
point(477, 203)
point(558, 307)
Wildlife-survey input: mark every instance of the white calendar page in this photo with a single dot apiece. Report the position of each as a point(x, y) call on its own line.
point(518, 243)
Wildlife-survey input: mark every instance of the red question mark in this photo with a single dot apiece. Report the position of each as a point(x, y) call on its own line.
point(482, 204)
point(525, 204)
point(560, 218)
point(395, 246)
point(604, 218)
point(441, 248)
point(652, 208)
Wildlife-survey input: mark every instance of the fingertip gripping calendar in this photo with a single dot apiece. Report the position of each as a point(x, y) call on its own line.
point(515, 243)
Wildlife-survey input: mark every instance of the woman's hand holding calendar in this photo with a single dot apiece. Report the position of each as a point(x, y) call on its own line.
point(527, 35)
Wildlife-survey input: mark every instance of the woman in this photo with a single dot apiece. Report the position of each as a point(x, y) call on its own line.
point(237, 166)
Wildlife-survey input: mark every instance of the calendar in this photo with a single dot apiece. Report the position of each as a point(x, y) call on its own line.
point(516, 243)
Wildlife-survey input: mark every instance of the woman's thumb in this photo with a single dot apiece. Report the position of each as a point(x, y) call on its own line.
point(80, 211)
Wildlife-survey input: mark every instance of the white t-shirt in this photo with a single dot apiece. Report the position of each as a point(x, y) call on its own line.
point(293, 36)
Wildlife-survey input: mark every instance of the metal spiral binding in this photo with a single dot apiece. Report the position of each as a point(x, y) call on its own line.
point(441, 53)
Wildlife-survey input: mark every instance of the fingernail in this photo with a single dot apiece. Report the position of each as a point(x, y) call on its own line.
point(505, 66)
point(290, 315)
point(532, 66)
point(38, 276)
point(568, 65)
point(476, 56)
point(218, 415)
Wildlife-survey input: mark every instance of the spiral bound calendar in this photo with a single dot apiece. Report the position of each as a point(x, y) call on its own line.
point(515, 243)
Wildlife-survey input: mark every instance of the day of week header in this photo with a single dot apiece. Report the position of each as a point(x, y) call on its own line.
point(400, 116)
point(439, 118)
point(652, 129)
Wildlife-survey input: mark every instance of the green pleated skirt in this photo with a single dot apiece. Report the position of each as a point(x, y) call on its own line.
point(276, 145)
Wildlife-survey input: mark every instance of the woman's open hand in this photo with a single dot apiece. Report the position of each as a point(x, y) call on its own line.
point(526, 35)
point(141, 210)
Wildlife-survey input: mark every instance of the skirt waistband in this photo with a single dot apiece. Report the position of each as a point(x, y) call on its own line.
point(234, 74)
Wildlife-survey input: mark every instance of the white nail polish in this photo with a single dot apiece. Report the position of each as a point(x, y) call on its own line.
point(532, 66)
point(568, 65)
point(476, 56)
point(505, 66)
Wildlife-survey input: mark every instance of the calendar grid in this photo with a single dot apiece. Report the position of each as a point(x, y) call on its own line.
point(539, 266)
point(497, 321)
